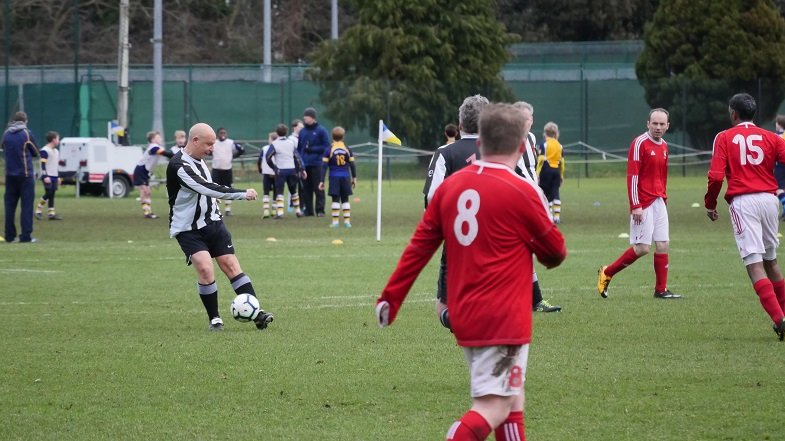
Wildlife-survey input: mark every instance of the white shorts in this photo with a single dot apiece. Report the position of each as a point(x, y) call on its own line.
point(497, 370)
point(654, 225)
point(754, 218)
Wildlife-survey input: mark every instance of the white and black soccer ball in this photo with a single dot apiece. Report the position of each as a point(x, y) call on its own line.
point(245, 308)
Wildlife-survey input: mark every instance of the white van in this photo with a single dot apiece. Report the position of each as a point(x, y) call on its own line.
point(87, 162)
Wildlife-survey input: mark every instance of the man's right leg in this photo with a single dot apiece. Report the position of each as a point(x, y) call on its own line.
point(11, 200)
point(207, 288)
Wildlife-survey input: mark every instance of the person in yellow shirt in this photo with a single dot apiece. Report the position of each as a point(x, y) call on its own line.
point(550, 168)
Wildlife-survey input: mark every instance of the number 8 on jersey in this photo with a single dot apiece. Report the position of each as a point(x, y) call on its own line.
point(468, 206)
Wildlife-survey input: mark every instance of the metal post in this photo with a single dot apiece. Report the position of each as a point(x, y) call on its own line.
point(122, 67)
point(7, 114)
point(158, 43)
point(77, 42)
point(267, 59)
point(334, 20)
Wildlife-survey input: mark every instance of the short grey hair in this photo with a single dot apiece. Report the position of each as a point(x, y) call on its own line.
point(524, 105)
point(469, 113)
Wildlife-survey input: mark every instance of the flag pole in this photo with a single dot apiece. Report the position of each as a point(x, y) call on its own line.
point(379, 187)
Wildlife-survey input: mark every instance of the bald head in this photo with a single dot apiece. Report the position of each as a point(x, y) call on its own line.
point(201, 139)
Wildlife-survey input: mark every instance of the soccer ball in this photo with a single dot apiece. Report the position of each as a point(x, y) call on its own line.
point(245, 308)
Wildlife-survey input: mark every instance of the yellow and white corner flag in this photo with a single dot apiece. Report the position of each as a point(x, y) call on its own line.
point(387, 136)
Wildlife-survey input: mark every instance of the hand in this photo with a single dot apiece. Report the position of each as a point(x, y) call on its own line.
point(304, 174)
point(383, 314)
point(712, 214)
point(321, 186)
point(47, 180)
point(250, 194)
point(637, 216)
point(354, 182)
point(60, 181)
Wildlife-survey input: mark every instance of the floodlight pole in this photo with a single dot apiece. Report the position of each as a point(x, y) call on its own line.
point(158, 43)
point(334, 20)
point(122, 67)
point(267, 59)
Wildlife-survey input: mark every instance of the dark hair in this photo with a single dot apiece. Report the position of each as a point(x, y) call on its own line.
point(50, 136)
point(296, 122)
point(781, 120)
point(659, 109)
point(20, 117)
point(451, 130)
point(744, 105)
point(281, 130)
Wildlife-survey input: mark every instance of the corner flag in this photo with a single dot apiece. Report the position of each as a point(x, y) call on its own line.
point(387, 136)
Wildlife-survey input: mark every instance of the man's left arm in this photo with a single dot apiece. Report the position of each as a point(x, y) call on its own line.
point(195, 182)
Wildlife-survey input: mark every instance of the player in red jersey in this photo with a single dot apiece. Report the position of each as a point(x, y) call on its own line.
point(746, 154)
point(647, 180)
point(489, 244)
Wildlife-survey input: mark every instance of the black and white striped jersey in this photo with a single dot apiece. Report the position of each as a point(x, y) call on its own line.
point(527, 164)
point(193, 194)
point(450, 158)
point(447, 160)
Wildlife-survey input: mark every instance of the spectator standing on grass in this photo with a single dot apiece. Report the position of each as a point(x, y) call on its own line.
point(647, 179)
point(312, 143)
point(551, 169)
point(527, 167)
point(195, 221)
point(489, 263)
point(268, 175)
point(745, 154)
point(50, 176)
point(20, 148)
point(283, 158)
point(224, 151)
point(294, 134)
point(339, 161)
point(143, 169)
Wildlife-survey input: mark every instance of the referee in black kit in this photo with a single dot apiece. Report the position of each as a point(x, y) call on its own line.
point(195, 220)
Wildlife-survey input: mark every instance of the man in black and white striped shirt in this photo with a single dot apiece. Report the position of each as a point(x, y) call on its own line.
point(195, 221)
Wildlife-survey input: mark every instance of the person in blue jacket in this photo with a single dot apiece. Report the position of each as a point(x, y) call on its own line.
point(312, 143)
point(20, 148)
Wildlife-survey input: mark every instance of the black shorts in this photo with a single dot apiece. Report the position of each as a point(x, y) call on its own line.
point(213, 238)
point(340, 187)
point(441, 284)
point(222, 177)
point(141, 176)
point(268, 184)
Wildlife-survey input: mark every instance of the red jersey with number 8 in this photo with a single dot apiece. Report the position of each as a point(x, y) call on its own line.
point(491, 221)
point(746, 155)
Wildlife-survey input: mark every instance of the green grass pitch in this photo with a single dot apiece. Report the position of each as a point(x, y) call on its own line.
point(104, 337)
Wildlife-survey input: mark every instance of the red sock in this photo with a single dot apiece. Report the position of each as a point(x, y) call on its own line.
point(660, 271)
point(512, 428)
point(779, 290)
point(768, 299)
point(622, 262)
point(471, 427)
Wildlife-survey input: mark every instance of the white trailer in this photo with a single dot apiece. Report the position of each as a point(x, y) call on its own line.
point(87, 162)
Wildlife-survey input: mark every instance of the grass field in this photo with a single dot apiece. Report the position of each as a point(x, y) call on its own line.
point(104, 337)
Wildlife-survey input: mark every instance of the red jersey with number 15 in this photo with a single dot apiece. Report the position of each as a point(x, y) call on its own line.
point(491, 221)
point(745, 154)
